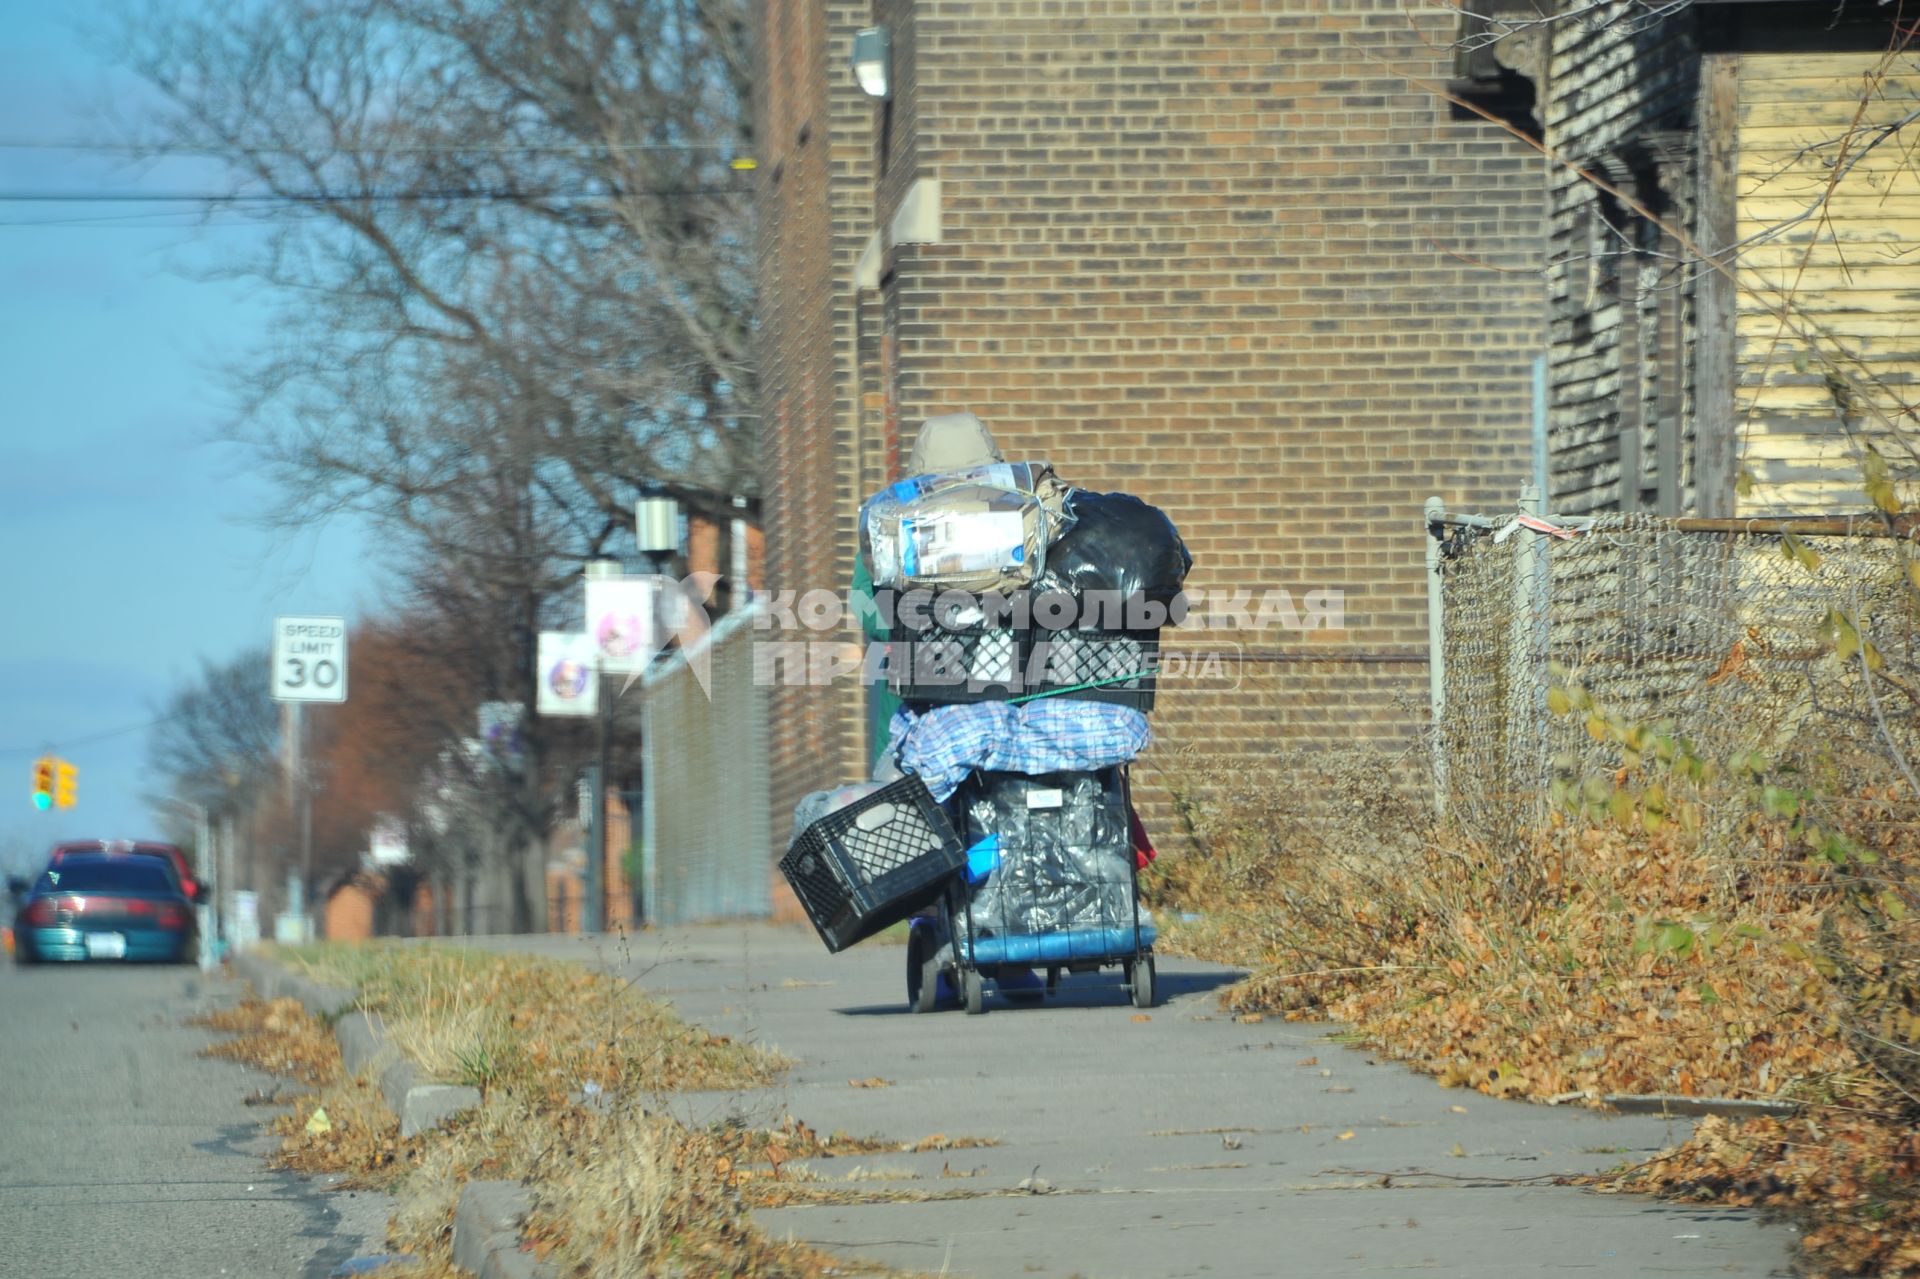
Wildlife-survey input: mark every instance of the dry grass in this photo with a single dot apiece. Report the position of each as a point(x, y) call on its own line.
point(570, 1063)
point(471, 1017)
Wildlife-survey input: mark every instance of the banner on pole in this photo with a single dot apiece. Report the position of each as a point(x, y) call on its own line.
point(569, 684)
point(621, 618)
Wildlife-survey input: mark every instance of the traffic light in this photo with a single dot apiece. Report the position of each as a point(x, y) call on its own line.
point(66, 782)
point(43, 783)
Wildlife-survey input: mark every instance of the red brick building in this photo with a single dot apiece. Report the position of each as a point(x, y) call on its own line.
point(1235, 256)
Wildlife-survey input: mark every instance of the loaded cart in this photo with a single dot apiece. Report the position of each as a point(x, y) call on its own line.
point(1051, 886)
point(1020, 618)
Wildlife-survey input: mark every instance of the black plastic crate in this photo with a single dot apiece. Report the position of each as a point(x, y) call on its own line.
point(995, 664)
point(873, 863)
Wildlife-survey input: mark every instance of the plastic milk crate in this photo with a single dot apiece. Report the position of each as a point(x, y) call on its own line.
point(873, 863)
point(936, 658)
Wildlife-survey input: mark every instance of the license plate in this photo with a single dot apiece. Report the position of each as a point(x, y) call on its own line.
point(106, 946)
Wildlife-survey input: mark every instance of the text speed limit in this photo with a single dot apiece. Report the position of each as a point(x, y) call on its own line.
point(309, 659)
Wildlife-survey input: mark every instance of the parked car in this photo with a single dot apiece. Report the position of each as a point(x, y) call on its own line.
point(195, 892)
point(96, 905)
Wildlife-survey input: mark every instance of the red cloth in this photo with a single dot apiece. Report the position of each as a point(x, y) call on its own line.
point(1142, 846)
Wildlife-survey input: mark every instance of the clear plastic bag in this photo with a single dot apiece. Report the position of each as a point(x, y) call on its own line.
point(1065, 853)
point(818, 804)
point(985, 528)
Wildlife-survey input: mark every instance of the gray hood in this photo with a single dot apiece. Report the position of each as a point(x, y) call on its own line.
point(952, 442)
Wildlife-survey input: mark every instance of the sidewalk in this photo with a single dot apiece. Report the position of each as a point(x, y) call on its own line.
point(1186, 1144)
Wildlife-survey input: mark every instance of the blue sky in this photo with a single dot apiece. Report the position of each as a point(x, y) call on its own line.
point(130, 551)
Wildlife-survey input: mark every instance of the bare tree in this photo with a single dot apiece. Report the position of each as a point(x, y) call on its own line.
point(218, 736)
point(511, 267)
point(509, 247)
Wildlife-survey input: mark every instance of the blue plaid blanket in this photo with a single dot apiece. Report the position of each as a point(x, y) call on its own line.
point(1048, 735)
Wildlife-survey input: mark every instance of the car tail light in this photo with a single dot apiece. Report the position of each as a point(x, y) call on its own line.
point(170, 916)
point(137, 906)
point(40, 913)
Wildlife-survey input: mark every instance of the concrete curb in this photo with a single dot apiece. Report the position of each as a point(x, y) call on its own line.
point(364, 1046)
point(271, 981)
point(486, 1224)
point(486, 1232)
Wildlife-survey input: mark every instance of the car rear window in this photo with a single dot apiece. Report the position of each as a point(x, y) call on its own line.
point(133, 874)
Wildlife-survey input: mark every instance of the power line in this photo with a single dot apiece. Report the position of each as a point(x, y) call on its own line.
point(226, 198)
point(439, 148)
point(90, 739)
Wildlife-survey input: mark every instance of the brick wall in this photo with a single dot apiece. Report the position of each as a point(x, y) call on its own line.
point(1223, 255)
point(814, 216)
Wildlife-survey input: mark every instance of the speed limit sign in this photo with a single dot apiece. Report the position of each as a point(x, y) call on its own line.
point(309, 659)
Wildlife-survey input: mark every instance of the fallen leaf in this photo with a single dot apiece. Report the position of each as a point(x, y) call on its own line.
point(1458, 1110)
point(1251, 1019)
point(1141, 1017)
point(1459, 1151)
point(1308, 1061)
point(874, 1082)
point(1345, 1136)
point(318, 1123)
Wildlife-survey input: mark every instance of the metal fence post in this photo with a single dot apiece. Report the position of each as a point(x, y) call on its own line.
point(1430, 528)
point(1526, 688)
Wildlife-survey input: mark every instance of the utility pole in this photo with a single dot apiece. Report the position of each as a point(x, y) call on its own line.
point(593, 915)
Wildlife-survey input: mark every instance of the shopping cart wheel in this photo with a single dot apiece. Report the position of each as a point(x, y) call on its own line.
point(1140, 977)
point(923, 972)
point(970, 984)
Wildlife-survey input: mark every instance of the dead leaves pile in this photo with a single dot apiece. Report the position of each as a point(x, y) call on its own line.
point(348, 1131)
point(278, 1037)
point(1641, 968)
point(344, 1128)
point(1852, 1173)
point(1633, 981)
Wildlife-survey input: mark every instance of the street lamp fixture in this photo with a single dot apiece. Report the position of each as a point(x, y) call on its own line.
point(872, 62)
point(656, 526)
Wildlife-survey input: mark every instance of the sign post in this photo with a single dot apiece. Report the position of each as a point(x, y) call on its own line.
point(309, 665)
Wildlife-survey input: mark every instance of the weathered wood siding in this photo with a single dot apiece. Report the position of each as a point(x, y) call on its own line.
point(1831, 259)
point(1617, 83)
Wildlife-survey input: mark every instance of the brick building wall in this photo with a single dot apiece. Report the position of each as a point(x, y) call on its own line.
point(814, 165)
point(1227, 256)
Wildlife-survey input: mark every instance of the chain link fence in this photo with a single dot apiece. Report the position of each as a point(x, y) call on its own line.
point(705, 821)
point(1570, 652)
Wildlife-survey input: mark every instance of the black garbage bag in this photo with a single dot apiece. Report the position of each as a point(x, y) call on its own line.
point(1117, 545)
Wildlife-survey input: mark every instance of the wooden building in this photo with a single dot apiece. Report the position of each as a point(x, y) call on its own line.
point(1735, 248)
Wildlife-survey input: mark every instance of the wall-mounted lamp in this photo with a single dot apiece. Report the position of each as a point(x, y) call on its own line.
point(872, 62)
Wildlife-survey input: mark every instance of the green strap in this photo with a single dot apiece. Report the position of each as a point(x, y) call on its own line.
point(1073, 688)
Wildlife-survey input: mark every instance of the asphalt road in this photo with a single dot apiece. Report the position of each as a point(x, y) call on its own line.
point(1185, 1144)
point(123, 1152)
